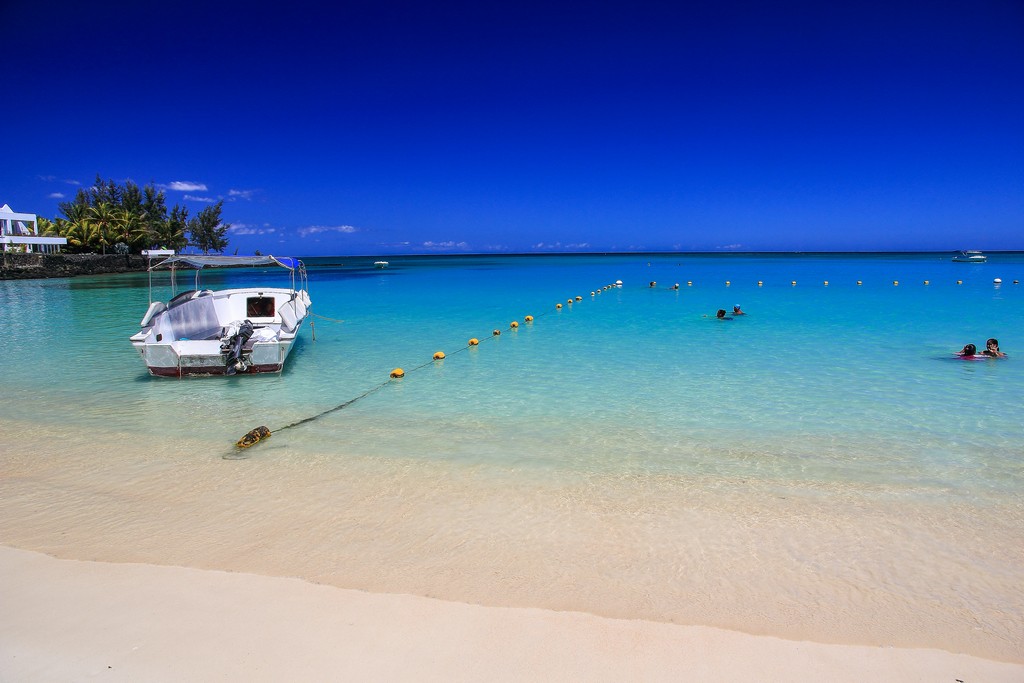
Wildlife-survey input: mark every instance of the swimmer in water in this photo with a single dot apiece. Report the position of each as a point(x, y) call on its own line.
point(721, 315)
point(992, 349)
point(736, 310)
point(968, 351)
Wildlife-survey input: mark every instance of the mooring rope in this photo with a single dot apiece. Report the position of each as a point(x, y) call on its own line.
point(324, 317)
point(258, 434)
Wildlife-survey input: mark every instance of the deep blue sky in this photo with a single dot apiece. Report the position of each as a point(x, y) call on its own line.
point(389, 128)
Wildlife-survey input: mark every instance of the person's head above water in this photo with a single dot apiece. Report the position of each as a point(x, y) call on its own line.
point(721, 313)
point(992, 349)
point(968, 350)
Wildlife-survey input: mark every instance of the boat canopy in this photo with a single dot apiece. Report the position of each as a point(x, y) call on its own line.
point(201, 260)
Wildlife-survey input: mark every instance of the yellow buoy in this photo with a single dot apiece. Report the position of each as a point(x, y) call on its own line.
point(513, 324)
point(568, 301)
point(439, 355)
point(474, 341)
point(397, 373)
point(793, 283)
point(728, 283)
point(558, 305)
point(496, 333)
point(826, 283)
point(895, 283)
point(927, 283)
point(253, 436)
point(579, 298)
point(959, 282)
point(529, 318)
point(592, 293)
point(760, 283)
point(859, 282)
point(689, 283)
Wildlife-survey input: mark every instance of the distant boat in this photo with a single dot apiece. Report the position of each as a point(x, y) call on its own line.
point(970, 257)
point(380, 264)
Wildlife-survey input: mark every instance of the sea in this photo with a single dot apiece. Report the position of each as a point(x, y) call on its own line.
point(823, 467)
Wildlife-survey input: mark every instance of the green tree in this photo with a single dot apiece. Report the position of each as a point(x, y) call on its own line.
point(47, 228)
point(154, 205)
point(130, 227)
point(103, 217)
point(105, 192)
point(75, 224)
point(83, 237)
point(206, 232)
point(171, 233)
point(126, 213)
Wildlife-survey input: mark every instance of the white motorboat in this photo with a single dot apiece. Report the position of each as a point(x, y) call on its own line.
point(970, 257)
point(380, 264)
point(224, 332)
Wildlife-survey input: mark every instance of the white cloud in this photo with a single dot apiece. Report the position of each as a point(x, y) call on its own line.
point(446, 245)
point(561, 247)
point(317, 229)
point(56, 195)
point(193, 198)
point(729, 246)
point(185, 186)
point(243, 229)
point(240, 194)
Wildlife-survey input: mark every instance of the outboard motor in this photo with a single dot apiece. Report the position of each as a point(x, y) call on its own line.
point(235, 362)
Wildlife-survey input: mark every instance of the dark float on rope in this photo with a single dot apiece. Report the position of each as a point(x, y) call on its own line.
point(253, 437)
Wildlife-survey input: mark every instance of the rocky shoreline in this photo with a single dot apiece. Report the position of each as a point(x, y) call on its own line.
point(30, 266)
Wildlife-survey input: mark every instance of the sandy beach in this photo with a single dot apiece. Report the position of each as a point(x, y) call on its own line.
point(177, 599)
point(74, 620)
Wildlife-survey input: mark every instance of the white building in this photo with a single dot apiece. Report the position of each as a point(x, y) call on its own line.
point(20, 232)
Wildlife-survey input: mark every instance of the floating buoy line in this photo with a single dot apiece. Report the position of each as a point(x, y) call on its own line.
point(261, 433)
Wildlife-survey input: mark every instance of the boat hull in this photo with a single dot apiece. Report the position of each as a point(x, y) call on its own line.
point(209, 370)
point(970, 257)
point(163, 360)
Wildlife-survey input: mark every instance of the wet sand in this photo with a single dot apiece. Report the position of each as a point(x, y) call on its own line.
point(176, 563)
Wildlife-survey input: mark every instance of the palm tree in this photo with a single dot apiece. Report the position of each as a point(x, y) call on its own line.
point(171, 234)
point(129, 226)
point(75, 212)
point(47, 228)
point(81, 236)
point(103, 218)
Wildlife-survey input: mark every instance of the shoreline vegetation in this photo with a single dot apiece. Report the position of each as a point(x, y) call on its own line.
point(127, 219)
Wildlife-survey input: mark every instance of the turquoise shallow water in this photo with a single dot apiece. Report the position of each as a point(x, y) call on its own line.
point(822, 383)
point(821, 468)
